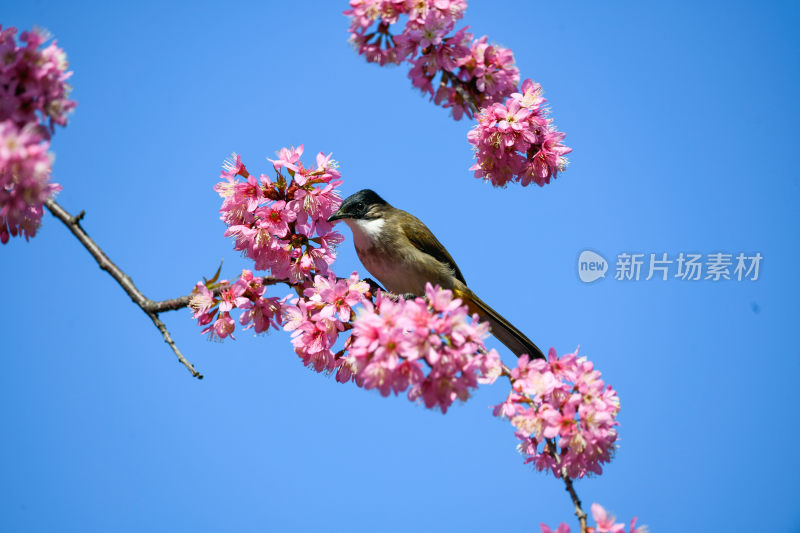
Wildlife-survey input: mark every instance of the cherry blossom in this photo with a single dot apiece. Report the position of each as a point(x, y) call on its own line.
point(429, 346)
point(33, 100)
point(563, 413)
point(516, 141)
point(604, 523)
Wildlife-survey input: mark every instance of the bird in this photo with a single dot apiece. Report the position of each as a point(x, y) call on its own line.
point(403, 254)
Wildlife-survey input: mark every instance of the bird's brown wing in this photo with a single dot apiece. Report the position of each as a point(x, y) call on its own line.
point(514, 339)
point(423, 239)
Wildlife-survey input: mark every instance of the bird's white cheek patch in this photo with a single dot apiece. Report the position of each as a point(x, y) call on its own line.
point(365, 232)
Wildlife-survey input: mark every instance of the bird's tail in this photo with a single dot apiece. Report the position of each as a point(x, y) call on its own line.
point(504, 330)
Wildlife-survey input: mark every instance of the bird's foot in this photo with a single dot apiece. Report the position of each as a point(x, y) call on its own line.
point(373, 285)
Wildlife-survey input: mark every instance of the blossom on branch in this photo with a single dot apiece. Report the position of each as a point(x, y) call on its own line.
point(282, 224)
point(459, 72)
point(24, 180)
point(425, 18)
point(33, 100)
point(33, 88)
point(428, 346)
point(516, 141)
point(318, 317)
point(564, 414)
point(213, 301)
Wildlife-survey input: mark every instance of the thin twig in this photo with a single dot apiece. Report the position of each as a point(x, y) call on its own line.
point(579, 512)
point(150, 307)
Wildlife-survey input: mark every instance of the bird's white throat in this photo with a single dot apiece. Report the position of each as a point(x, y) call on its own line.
point(365, 231)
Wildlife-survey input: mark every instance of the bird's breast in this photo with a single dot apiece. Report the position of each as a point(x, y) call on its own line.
point(394, 261)
point(367, 233)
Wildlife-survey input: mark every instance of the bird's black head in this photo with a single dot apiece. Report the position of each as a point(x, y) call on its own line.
point(358, 205)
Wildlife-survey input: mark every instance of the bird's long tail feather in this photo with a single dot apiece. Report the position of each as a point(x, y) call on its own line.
point(504, 330)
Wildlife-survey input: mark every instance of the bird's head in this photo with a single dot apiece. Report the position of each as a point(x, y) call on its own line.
point(363, 205)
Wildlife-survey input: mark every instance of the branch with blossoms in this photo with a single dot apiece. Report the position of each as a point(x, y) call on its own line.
point(33, 101)
point(565, 417)
point(514, 140)
point(428, 348)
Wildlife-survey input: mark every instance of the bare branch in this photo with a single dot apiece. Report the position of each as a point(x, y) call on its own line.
point(579, 512)
point(150, 307)
point(168, 339)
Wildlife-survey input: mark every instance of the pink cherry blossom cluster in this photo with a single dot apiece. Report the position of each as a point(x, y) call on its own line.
point(472, 73)
point(564, 399)
point(378, 45)
point(213, 301)
point(428, 346)
point(282, 224)
point(33, 86)
point(517, 141)
point(604, 523)
point(33, 99)
point(24, 180)
point(316, 319)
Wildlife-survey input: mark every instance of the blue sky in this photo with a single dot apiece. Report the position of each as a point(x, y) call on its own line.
point(682, 118)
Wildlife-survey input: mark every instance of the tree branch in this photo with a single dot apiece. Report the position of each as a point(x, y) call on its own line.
point(579, 512)
point(550, 448)
point(150, 308)
point(174, 304)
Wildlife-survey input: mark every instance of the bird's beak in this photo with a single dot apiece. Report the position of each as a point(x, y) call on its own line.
point(338, 215)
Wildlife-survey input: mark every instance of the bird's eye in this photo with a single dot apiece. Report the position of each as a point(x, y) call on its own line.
point(360, 206)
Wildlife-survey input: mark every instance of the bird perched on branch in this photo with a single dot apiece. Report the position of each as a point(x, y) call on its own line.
point(403, 254)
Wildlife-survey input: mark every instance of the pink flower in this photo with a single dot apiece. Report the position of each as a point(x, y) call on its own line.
point(337, 297)
point(281, 225)
point(231, 295)
point(247, 293)
point(39, 94)
point(327, 168)
point(472, 74)
point(492, 69)
point(562, 528)
point(430, 32)
point(275, 218)
point(605, 522)
point(377, 46)
point(33, 99)
point(391, 340)
point(516, 142)
point(222, 327)
point(24, 180)
point(287, 157)
point(249, 193)
point(232, 167)
point(317, 318)
point(202, 300)
point(562, 400)
point(512, 117)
